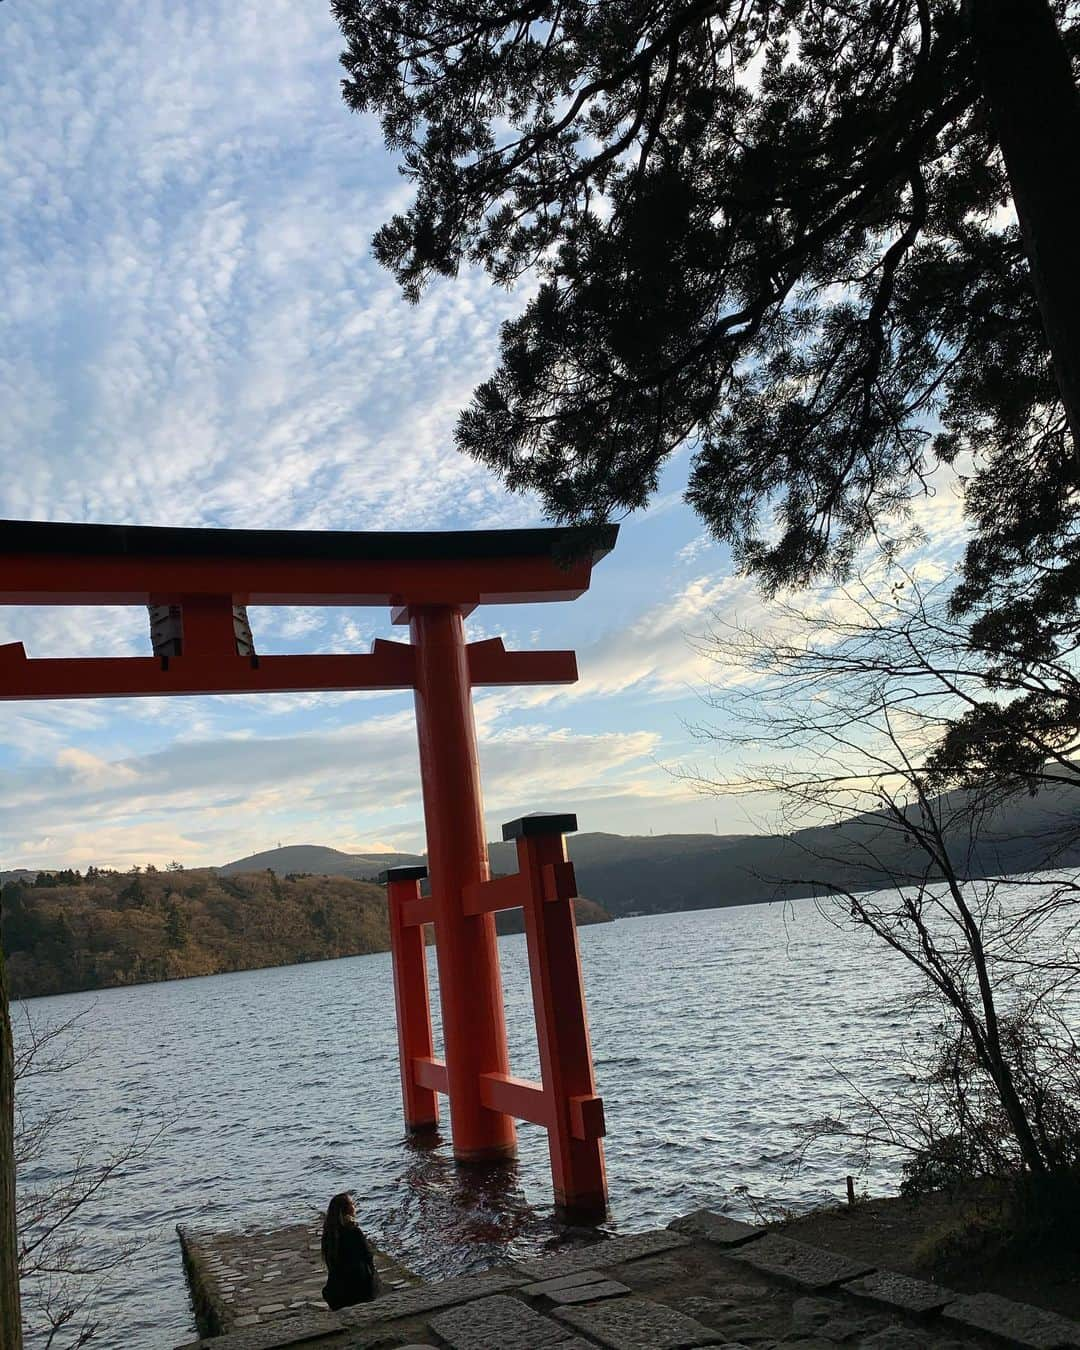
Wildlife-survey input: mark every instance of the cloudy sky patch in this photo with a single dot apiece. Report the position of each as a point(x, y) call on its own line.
point(196, 334)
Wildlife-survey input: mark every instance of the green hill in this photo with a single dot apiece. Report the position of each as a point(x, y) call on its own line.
point(654, 874)
point(111, 928)
point(63, 932)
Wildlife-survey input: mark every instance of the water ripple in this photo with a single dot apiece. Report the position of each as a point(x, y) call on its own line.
point(717, 1034)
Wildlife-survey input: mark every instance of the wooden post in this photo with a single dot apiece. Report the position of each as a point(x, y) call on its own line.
point(576, 1113)
point(411, 1000)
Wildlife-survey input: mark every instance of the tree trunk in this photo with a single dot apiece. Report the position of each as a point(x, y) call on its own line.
point(997, 1064)
point(1035, 109)
point(10, 1315)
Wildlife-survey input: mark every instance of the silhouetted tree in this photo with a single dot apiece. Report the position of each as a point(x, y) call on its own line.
point(133, 896)
point(838, 710)
point(827, 245)
point(10, 1312)
point(61, 1266)
point(19, 920)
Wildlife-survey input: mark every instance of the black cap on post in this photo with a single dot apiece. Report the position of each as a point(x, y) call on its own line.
point(529, 827)
point(403, 874)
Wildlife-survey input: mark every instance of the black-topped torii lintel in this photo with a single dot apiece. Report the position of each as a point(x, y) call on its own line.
point(60, 563)
point(87, 541)
point(198, 583)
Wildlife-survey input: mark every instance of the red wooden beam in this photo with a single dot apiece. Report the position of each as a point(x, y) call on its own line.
point(587, 1117)
point(417, 912)
point(562, 1029)
point(486, 897)
point(430, 1073)
point(390, 665)
point(58, 563)
point(207, 667)
point(558, 881)
point(491, 663)
point(207, 626)
point(470, 987)
point(411, 998)
point(133, 580)
point(516, 1097)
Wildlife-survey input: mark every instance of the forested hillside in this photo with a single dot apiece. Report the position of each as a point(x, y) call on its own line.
point(64, 932)
point(67, 932)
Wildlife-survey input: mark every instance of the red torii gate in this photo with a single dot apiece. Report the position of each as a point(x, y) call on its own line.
point(198, 578)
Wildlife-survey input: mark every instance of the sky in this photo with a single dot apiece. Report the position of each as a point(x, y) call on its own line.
point(195, 333)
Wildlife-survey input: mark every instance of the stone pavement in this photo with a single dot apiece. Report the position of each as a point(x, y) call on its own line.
point(704, 1281)
point(259, 1276)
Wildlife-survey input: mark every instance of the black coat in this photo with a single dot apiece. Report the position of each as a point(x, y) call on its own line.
point(352, 1277)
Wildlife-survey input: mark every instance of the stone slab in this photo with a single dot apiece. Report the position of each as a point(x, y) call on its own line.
point(634, 1324)
point(650, 1270)
point(588, 1293)
point(497, 1323)
point(704, 1308)
point(835, 1319)
point(905, 1338)
point(427, 1298)
point(900, 1292)
point(799, 1263)
point(603, 1254)
point(716, 1228)
point(574, 1281)
point(274, 1335)
point(374, 1339)
point(1017, 1323)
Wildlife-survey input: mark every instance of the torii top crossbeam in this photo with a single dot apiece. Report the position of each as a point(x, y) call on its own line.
point(60, 564)
point(205, 573)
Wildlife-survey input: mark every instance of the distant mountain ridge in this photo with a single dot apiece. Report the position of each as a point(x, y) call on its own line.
point(318, 860)
point(646, 874)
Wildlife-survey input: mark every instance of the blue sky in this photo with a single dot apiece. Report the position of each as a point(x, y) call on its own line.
point(196, 334)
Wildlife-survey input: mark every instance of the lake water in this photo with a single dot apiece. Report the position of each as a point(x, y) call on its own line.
point(716, 1035)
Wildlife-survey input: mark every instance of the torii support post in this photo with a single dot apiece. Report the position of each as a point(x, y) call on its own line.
point(565, 1101)
point(576, 1113)
point(408, 914)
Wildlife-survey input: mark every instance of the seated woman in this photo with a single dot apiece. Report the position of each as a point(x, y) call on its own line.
point(349, 1262)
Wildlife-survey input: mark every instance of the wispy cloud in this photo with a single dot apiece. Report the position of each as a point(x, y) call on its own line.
point(195, 330)
point(217, 799)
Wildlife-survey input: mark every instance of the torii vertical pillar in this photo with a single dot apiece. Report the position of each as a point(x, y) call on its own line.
point(474, 1025)
point(411, 1000)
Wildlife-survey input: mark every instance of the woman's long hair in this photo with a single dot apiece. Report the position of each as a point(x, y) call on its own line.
point(340, 1213)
